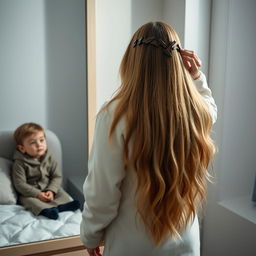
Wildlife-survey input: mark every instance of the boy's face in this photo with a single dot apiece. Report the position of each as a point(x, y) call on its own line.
point(34, 145)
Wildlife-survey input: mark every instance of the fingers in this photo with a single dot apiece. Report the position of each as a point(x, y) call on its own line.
point(192, 55)
point(97, 251)
point(48, 196)
point(94, 252)
point(191, 62)
point(45, 198)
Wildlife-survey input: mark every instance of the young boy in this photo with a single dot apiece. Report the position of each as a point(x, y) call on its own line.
point(36, 175)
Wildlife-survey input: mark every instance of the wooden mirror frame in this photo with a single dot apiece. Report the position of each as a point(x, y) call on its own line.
point(69, 246)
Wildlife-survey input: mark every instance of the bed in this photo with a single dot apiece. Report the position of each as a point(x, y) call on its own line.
point(19, 226)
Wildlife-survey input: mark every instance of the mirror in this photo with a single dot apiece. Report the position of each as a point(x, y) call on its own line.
point(43, 76)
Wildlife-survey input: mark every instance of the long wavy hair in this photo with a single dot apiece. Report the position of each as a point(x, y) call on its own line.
point(169, 126)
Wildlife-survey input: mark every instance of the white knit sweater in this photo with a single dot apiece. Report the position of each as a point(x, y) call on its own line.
point(109, 189)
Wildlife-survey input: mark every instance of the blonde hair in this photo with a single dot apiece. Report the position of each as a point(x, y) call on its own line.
point(170, 125)
point(25, 130)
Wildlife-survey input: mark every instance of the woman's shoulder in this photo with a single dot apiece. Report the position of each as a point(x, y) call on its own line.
point(107, 110)
point(107, 113)
point(108, 107)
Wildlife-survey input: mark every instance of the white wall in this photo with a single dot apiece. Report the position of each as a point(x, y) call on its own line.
point(113, 31)
point(22, 63)
point(197, 29)
point(239, 117)
point(230, 221)
point(174, 15)
point(144, 11)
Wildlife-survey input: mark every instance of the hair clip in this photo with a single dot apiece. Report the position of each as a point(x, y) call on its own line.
point(166, 48)
point(178, 47)
point(138, 42)
point(149, 40)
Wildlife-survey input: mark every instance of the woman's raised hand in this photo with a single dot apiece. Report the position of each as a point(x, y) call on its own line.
point(191, 62)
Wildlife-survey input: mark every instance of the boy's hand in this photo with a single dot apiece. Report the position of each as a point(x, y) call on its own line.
point(50, 195)
point(43, 197)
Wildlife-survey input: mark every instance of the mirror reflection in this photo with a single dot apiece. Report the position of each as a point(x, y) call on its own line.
point(43, 80)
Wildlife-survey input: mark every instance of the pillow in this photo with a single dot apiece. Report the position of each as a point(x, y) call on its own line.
point(7, 192)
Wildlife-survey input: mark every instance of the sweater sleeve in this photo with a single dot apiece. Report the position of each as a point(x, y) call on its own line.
point(204, 90)
point(55, 176)
point(102, 185)
point(20, 181)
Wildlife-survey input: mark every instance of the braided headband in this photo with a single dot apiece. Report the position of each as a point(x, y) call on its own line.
point(165, 47)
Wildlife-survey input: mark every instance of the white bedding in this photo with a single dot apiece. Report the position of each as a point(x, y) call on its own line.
point(20, 226)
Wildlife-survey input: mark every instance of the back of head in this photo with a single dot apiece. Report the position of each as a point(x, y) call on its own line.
point(148, 60)
point(25, 130)
point(171, 124)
